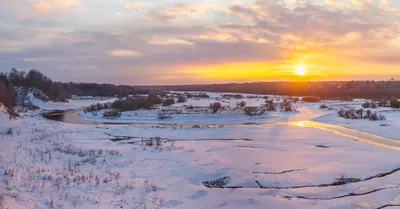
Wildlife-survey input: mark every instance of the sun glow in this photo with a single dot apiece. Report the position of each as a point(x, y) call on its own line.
point(301, 70)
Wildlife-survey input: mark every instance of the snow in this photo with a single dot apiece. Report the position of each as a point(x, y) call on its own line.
point(32, 96)
point(389, 128)
point(49, 164)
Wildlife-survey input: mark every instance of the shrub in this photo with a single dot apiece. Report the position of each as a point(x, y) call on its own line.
point(181, 99)
point(241, 104)
point(9, 131)
point(310, 99)
point(202, 95)
point(253, 111)
point(383, 103)
point(366, 105)
point(168, 102)
point(368, 114)
point(324, 106)
point(190, 107)
point(286, 106)
point(235, 96)
point(129, 104)
point(218, 183)
point(156, 141)
point(163, 115)
point(359, 114)
point(394, 103)
point(372, 105)
point(198, 95)
point(271, 106)
point(112, 114)
point(216, 106)
point(97, 107)
point(374, 117)
point(154, 99)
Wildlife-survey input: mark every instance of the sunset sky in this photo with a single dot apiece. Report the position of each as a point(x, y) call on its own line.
point(208, 41)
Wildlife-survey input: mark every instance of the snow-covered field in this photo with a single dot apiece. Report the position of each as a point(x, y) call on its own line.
point(49, 164)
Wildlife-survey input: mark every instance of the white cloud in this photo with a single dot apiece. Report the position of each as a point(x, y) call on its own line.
point(39, 59)
point(170, 41)
point(124, 53)
point(132, 4)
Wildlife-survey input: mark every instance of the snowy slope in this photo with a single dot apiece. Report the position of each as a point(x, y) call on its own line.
point(47, 164)
point(77, 166)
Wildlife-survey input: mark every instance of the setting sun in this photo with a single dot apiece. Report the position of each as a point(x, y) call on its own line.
point(301, 70)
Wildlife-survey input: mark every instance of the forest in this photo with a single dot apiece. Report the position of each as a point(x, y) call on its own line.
point(343, 90)
point(61, 91)
point(54, 90)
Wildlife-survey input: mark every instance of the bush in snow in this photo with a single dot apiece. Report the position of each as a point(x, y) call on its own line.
point(156, 141)
point(154, 99)
point(372, 105)
point(360, 114)
point(190, 107)
point(198, 95)
point(9, 131)
point(310, 99)
point(271, 106)
point(235, 96)
point(215, 107)
point(112, 114)
point(162, 115)
point(324, 106)
point(131, 104)
point(241, 104)
point(286, 106)
point(181, 99)
point(218, 183)
point(374, 117)
point(394, 103)
point(168, 102)
point(97, 107)
point(253, 111)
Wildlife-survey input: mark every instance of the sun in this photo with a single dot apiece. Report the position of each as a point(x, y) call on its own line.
point(301, 70)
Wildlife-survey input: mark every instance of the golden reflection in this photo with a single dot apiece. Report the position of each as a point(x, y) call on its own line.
point(300, 124)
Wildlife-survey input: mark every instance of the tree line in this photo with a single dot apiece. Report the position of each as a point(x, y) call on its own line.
point(55, 91)
point(343, 90)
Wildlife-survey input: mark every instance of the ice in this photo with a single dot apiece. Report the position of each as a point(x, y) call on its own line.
point(50, 164)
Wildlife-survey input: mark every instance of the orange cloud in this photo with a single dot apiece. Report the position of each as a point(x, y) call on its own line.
point(46, 7)
point(133, 4)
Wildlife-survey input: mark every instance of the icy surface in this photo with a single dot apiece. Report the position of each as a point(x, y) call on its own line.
point(48, 164)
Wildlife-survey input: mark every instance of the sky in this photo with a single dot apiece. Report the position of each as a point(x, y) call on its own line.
point(148, 42)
